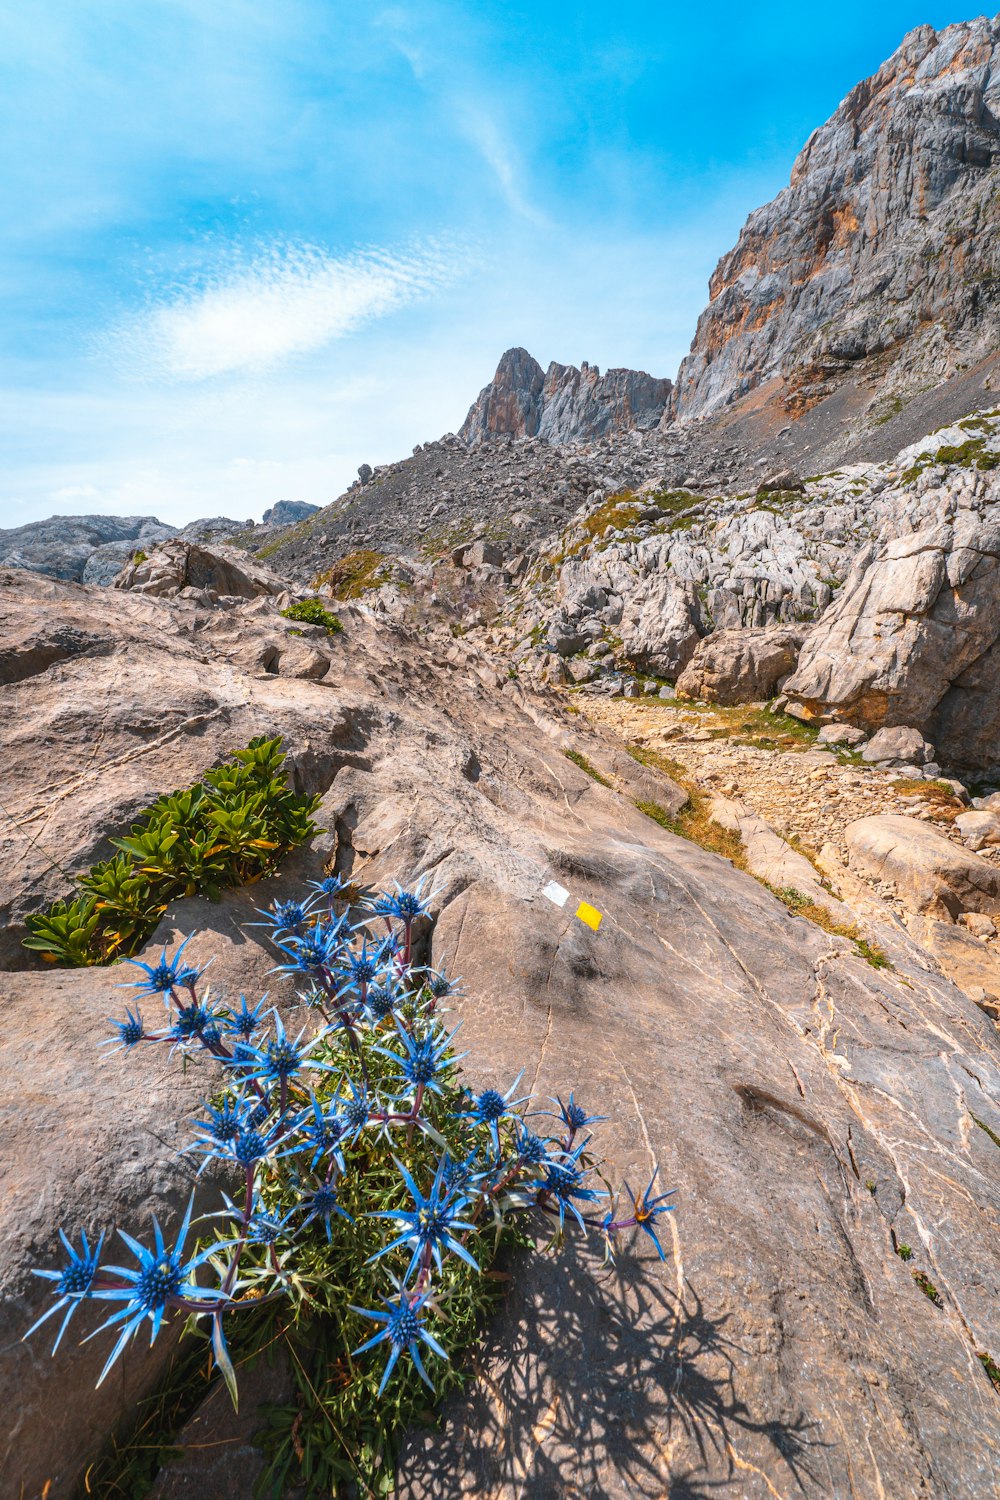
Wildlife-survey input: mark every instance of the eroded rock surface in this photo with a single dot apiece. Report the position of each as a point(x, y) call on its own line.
point(814, 1113)
point(741, 666)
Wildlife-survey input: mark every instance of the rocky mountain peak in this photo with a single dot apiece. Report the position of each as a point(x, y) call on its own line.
point(566, 404)
point(872, 261)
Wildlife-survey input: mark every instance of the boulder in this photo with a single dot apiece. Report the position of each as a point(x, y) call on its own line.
point(929, 873)
point(287, 512)
point(176, 565)
point(741, 666)
point(841, 734)
point(901, 746)
point(661, 624)
point(482, 553)
point(980, 830)
point(913, 638)
point(782, 480)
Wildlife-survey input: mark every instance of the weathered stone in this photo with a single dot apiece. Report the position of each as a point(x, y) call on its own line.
point(782, 480)
point(841, 734)
point(287, 512)
point(930, 874)
point(819, 289)
point(565, 405)
point(899, 746)
point(176, 565)
point(741, 666)
point(979, 829)
point(662, 624)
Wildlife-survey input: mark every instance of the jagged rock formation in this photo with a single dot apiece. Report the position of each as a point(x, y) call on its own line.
point(799, 1076)
point(177, 565)
point(881, 260)
point(565, 405)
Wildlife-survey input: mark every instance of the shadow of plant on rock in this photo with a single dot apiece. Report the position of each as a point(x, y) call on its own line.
point(603, 1384)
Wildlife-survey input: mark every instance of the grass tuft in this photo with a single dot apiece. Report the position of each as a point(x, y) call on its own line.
point(585, 765)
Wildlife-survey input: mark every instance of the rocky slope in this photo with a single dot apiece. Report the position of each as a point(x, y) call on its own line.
point(878, 267)
point(92, 549)
point(815, 1113)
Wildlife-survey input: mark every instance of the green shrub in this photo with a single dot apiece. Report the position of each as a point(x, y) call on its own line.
point(230, 828)
point(311, 612)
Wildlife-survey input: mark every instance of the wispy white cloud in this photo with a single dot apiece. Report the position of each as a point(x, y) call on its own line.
point(283, 301)
point(481, 129)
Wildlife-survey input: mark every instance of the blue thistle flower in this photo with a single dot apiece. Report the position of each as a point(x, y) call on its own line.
point(72, 1283)
point(332, 886)
point(281, 1058)
point(357, 1109)
point(573, 1115)
point(285, 916)
point(490, 1107)
point(425, 1059)
point(431, 1222)
point(439, 984)
point(245, 1021)
point(161, 1278)
point(647, 1209)
point(324, 1132)
point(266, 1228)
point(403, 1329)
point(460, 1176)
point(564, 1181)
point(322, 1204)
point(357, 969)
point(129, 1032)
point(317, 949)
point(406, 905)
point(531, 1149)
point(224, 1123)
point(381, 1002)
point(167, 975)
point(194, 1023)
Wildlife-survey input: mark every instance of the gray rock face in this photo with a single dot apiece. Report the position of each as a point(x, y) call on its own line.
point(930, 873)
point(662, 624)
point(741, 666)
point(565, 405)
point(63, 546)
point(913, 638)
point(880, 251)
point(221, 570)
point(286, 512)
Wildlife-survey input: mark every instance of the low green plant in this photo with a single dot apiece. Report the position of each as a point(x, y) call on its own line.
point(928, 1288)
point(991, 1367)
point(904, 1252)
point(227, 830)
point(312, 612)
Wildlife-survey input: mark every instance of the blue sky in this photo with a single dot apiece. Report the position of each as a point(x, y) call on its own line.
point(250, 244)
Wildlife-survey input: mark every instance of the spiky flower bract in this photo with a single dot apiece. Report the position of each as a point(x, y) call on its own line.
point(403, 1330)
point(166, 976)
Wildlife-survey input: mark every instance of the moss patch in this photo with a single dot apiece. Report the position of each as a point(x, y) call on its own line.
point(354, 575)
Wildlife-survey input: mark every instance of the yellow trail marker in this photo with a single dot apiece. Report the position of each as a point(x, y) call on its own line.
point(589, 914)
